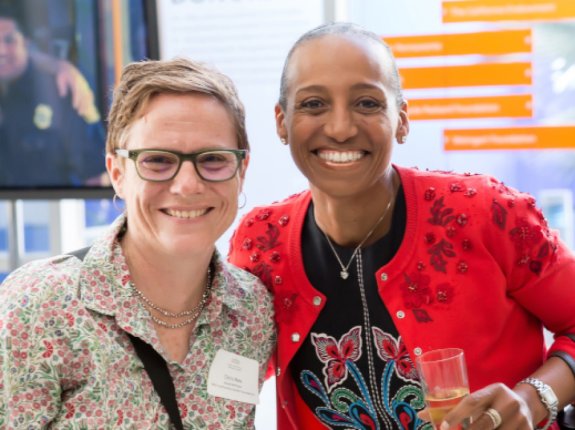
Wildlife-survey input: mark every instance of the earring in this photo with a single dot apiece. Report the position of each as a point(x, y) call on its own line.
point(115, 203)
point(283, 140)
point(403, 138)
point(244, 200)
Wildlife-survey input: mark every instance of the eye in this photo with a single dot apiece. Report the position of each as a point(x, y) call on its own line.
point(10, 39)
point(214, 157)
point(369, 105)
point(216, 160)
point(157, 160)
point(312, 104)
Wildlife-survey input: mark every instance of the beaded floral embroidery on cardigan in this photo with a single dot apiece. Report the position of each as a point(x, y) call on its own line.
point(448, 249)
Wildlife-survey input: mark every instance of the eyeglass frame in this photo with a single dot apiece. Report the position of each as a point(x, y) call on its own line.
point(133, 154)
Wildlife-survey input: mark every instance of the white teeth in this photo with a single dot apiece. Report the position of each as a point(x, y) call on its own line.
point(186, 214)
point(340, 156)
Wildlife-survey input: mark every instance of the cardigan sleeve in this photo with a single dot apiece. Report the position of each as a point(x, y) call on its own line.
point(539, 267)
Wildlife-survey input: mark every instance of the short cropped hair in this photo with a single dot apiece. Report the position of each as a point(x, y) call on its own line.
point(141, 81)
point(12, 12)
point(343, 29)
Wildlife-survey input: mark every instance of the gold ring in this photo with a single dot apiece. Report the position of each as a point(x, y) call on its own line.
point(495, 417)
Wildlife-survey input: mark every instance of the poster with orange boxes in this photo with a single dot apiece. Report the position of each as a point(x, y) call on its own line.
point(507, 85)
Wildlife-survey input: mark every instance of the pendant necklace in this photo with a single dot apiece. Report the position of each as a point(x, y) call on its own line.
point(344, 268)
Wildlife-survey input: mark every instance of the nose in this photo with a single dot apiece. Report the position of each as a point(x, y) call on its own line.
point(187, 181)
point(340, 124)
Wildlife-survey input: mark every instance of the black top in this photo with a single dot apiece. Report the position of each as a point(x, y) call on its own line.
point(332, 368)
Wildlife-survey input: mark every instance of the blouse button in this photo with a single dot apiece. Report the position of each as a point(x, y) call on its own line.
point(317, 300)
point(400, 314)
point(278, 371)
point(417, 351)
point(295, 337)
point(383, 276)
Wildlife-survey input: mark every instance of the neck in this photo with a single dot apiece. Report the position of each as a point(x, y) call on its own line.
point(172, 285)
point(349, 220)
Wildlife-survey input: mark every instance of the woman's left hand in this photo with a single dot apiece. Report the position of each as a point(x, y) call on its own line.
point(489, 406)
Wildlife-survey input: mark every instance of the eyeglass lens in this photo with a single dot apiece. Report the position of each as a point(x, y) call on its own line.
point(211, 166)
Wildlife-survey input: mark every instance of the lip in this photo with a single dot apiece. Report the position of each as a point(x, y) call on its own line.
point(186, 214)
point(340, 157)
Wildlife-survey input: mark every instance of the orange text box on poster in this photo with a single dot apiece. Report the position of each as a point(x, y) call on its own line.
point(518, 73)
point(507, 10)
point(557, 137)
point(512, 106)
point(482, 43)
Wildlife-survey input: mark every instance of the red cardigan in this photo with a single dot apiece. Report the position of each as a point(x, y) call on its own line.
point(478, 269)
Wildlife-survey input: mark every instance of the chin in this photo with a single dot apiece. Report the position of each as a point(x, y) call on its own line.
point(183, 246)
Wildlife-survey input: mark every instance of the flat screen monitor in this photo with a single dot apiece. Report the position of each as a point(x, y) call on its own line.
point(52, 139)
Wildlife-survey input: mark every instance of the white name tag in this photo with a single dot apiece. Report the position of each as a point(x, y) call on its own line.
point(234, 377)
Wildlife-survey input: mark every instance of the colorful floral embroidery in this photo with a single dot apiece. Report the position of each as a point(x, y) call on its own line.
point(334, 354)
point(390, 349)
point(344, 407)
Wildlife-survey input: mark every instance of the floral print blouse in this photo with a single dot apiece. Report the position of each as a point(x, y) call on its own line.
point(67, 363)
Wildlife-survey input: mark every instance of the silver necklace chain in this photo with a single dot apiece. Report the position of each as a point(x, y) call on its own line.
point(377, 401)
point(344, 268)
point(192, 313)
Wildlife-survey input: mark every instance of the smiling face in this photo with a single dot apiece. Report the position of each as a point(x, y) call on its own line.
point(13, 52)
point(185, 214)
point(341, 116)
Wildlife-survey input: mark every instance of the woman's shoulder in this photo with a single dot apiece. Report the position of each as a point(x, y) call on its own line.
point(244, 295)
point(273, 210)
point(465, 184)
point(42, 273)
point(242, 283)
point(43, 284)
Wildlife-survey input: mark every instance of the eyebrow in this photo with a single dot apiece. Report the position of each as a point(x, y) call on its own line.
point(354, 87)
point(311, 88)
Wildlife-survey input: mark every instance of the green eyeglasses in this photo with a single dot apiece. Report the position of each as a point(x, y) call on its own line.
point(159, 165)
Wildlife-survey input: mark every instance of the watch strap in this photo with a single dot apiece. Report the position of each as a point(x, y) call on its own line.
point(547, 397)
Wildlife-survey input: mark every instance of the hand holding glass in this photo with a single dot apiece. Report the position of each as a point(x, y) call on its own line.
point(444, 377)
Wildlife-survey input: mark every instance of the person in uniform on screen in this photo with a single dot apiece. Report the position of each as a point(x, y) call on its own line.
point(44, 140)
point(177, 153)
point(377, 263)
